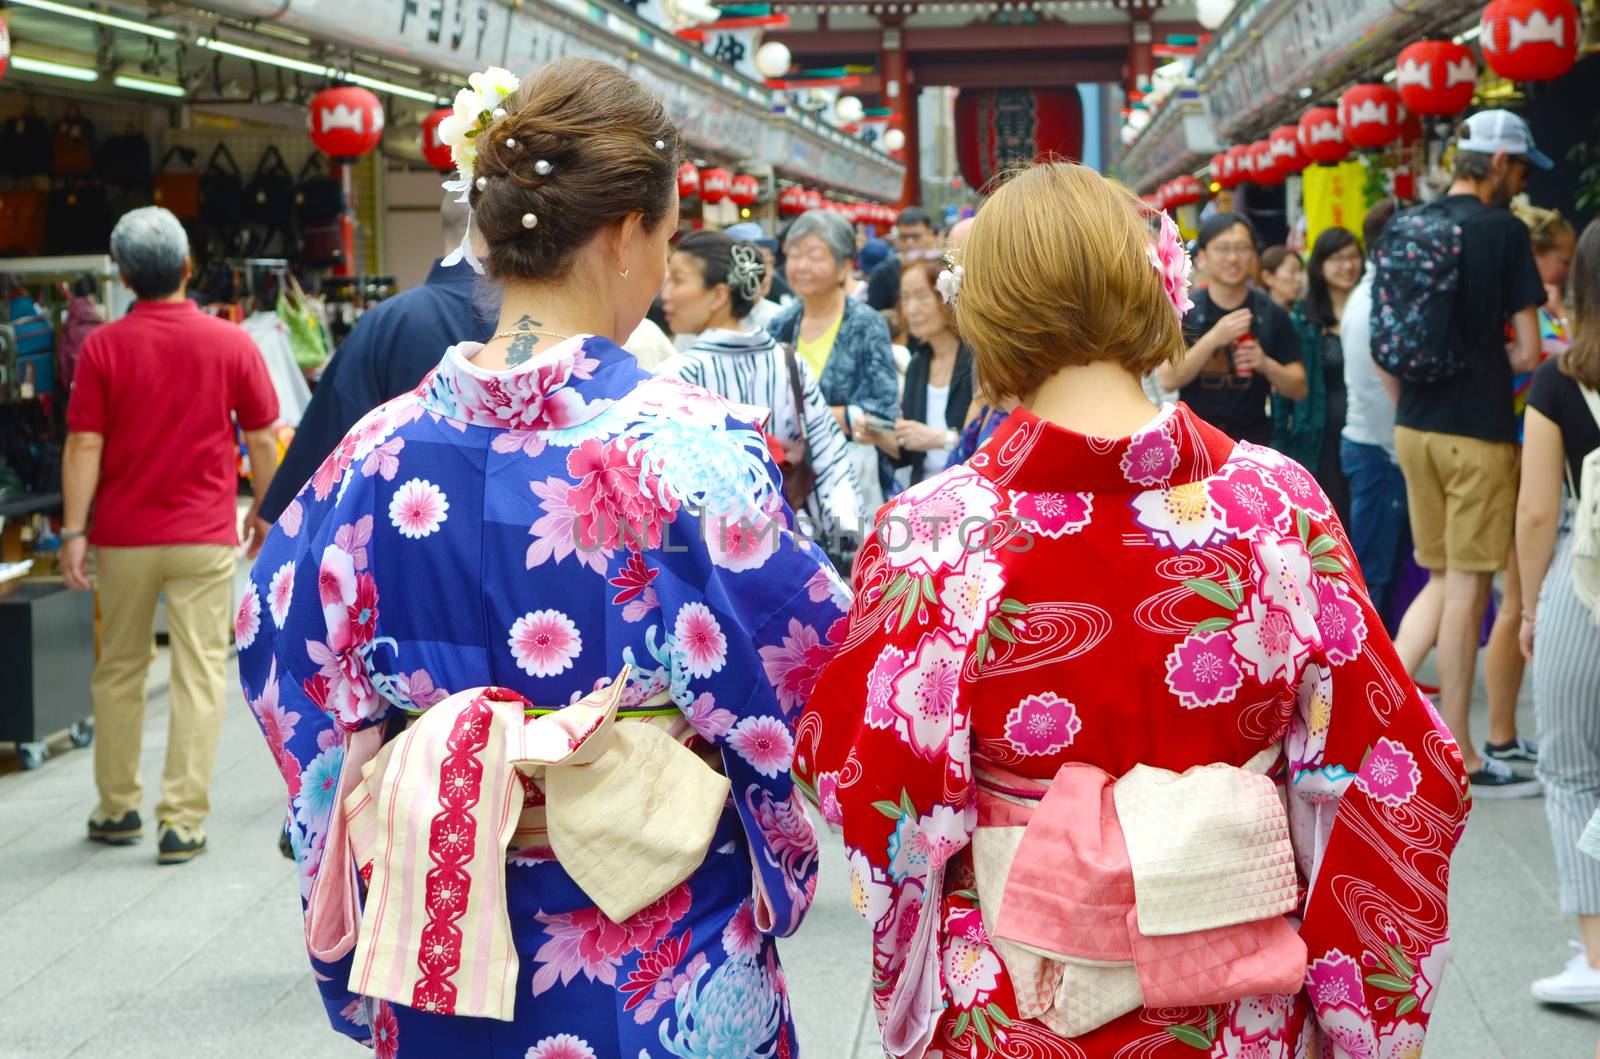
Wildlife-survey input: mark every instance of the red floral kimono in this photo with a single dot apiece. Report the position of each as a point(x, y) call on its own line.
point(1137, 688)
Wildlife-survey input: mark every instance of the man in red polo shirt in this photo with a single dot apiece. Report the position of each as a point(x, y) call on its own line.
point(151, 443)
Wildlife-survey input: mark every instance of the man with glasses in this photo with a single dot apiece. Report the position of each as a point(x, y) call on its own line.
point(915, 239)
point(1456, 440)
point(1242, 347)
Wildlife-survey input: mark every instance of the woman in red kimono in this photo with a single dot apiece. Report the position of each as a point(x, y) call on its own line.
point(1125, 763)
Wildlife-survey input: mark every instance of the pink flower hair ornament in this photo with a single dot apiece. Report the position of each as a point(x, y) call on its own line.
point(1169, 258)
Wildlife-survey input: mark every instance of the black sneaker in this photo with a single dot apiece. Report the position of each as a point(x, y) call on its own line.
point(1496, 780)
point(179, 843)
point(1519, 749)
point(123, 831)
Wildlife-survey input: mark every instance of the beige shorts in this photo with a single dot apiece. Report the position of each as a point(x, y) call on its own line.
point(1463, 498)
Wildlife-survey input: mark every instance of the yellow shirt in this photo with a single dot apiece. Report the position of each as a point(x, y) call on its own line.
point(815, 352)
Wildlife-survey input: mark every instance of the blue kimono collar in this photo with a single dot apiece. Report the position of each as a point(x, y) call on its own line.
point(565, 386)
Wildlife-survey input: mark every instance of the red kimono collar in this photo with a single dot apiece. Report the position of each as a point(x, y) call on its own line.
point(1032, 455)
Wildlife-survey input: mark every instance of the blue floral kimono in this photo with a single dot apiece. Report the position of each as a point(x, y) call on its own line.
point(537, 529)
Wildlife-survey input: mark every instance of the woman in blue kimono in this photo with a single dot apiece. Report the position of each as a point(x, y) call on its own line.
point(544, 517)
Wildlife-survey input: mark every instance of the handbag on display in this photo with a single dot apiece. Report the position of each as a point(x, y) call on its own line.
point(270, 198)
point(72, 149)
point(125, 161)
point(177, 189)
point(322, 244)
point(25, 145)
point(79, 220)
point(28, 324)
point(22, 222)
point(318, 197)
point(221, 190)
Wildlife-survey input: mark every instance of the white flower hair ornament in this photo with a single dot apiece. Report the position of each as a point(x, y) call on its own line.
point(1169, 258)
point(476, 107)
point(949, 282)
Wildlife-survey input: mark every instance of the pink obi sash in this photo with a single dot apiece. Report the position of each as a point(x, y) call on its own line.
point(627, 809)
point(1157, 889)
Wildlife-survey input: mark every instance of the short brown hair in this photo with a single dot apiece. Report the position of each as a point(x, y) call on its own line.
point(599, 130)
point(931, 270)
point(1582, 360)
point(1056, 273)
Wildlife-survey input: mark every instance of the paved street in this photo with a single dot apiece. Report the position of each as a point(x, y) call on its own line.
point(105, 955)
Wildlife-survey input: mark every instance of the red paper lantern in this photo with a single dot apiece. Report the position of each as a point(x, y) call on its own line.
point(1321, 138)
point(744, 190)
point(1218, 167)
point(1436, 77)
point(345, 122)
point(792, 200)
point(997, 128)
point(1530, 40)
point(1153, 201)
point(1370, 115)
point(814, 199)
point(1287, 157)
point(435, 151)
point(1266, 168)
point(714, 185)
point(1185, 191)
point(688, 181)
point(1238, 162)
point(5, 48)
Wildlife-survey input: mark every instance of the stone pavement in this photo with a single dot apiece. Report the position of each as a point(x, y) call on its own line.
point(105, 955)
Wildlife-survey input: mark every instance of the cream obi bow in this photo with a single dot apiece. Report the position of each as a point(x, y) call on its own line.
point(1158, 889)
point(630, 813)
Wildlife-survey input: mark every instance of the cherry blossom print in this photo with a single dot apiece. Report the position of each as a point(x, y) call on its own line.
point(247, 622)
point(765, 743)
point(292, 517)
point(561, 1046)
point(354, 538)
point(527, 442)
point(1283, 578)
point(967, 600)
point(1351, 1032)
point(1340, 621)
point(545, 643)
point(280, 593)
point(1299, 486)
point(1390, 773)
point(1265, 639)
point(870, 893)
point(1335, 981)
point(1401, 1040)
point(555, 533)
point(946, 830)
point(384, 460)
point(880, 687)
point(418, 509)
point(827, 585)
point(939, 524)
point(700, 640)
point(1042, 724)
point(385, 1033)
point(925, 694)
point(740, 937)
point(971, 968)
point(1179, 517)
point(1248, 503)
point(744, 542)
point(1053, 514)
point(1308, 727)
point(418, 689)
point(331, 473)
point(893, 941)
point(1150, 459)
point(1202, 670)
point(792, 666)
point(908, 851)
point(1430, 972)
point(828, 798)
point(709, 719)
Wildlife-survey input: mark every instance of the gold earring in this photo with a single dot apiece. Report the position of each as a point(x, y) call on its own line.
point(624, 273)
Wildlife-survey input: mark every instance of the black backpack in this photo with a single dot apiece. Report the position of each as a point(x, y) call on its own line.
point(269, 200)
point(25, 147)
point(1417, 273)
point(318, 198)
point(221, 191)
point(125, 162)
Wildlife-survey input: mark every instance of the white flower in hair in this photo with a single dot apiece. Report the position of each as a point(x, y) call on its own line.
point(495, 85)
point(949, 283)
point(472, 112)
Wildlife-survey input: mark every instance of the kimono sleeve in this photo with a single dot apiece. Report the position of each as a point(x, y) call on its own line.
point(1379, 803)
point(885, 752)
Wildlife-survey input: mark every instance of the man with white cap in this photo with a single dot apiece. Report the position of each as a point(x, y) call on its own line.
point(1456, 439)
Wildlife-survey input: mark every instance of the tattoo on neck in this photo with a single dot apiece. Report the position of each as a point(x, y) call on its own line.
point(523, 343)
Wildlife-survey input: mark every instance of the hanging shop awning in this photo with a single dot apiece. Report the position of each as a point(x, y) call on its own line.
point(1179, 139)
point(716, 109)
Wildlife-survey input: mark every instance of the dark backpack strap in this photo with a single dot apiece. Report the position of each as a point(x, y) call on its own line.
point(220, 155)
point(184, 154)
point(271, 163)
point(797, 392)
point(313, 165)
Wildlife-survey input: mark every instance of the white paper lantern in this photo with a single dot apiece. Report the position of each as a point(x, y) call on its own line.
point(1138, 120)
point(849, 110)
point(1129, 134)
point(894, 140)
point(773, 59)
point(1212, 13)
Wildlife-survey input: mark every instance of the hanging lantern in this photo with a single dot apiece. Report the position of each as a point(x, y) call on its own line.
point(1287, 157)
point(1236, 160)
point(345, 122)
point(744, 190)
point(1185, 191)
point(1264, 164)
point(1436, 77)
point(849, 110)
point(1321, 138)
point(792, 201)
point(814, 199)
point(773, 59)
point(1370, 115)
point(1002, 127)
point(1530, 40)
point(1212, 13)
point(5, 47)
point(894, 140)
point(434, 150)
point(688, 181)
point(714, 185)
point(1153, 201)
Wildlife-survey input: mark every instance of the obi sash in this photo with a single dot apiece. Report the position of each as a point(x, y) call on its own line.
point(626, 808)
point(1158, 889)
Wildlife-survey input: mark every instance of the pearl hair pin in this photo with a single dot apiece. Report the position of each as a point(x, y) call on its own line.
point(529, 220)
point(483, 183)
point(542, 167)
point(499, 112)
point(511, 145)
point(661, 145)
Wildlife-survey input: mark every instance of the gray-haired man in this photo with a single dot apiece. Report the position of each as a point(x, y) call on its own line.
point(151, 444)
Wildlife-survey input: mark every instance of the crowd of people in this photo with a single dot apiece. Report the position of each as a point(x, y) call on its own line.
point(550, 643)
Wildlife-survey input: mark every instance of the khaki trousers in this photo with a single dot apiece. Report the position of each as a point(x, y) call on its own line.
point(197, 580)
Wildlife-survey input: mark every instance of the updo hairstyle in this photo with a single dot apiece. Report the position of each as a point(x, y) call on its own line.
point(611, 151)
point(724, 260)
point(1057, 272)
